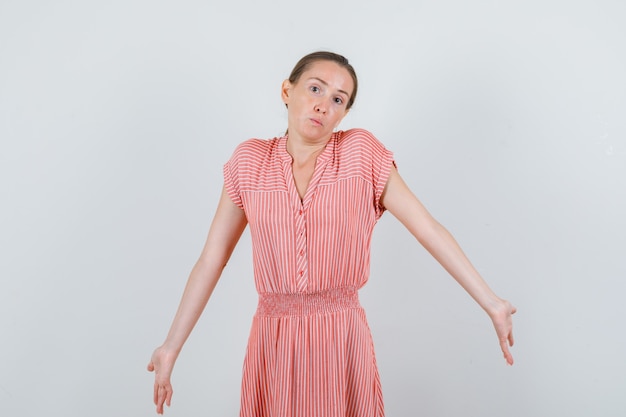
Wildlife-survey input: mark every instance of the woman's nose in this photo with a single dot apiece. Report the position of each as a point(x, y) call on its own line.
point(319, 108)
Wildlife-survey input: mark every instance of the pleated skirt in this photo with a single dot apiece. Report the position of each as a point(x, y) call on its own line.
point(311, 355)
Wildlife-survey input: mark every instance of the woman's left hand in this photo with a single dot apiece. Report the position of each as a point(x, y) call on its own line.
point(502, 320)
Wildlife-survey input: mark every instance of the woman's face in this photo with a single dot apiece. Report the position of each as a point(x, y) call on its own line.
point(317, 102)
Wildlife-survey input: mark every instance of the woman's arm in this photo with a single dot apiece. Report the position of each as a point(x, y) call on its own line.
point(226, 229)
point(402, 203)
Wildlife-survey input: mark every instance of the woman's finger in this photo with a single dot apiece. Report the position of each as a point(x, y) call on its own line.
point(168, 397)
point(160, 399)
point(505, 350)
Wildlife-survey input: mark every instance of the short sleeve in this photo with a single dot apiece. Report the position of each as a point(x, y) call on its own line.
point(382, 163)
point(374, 162)
point(231, 177)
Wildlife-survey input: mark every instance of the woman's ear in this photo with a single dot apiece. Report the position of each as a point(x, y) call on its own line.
point(284, 92)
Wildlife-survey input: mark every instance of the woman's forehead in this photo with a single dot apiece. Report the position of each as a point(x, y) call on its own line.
point(331, 74)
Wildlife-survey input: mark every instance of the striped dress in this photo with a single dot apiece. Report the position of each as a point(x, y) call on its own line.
point(310, 351)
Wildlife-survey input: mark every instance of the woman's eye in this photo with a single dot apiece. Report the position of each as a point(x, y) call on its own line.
point(338, 100)
point(315, 89)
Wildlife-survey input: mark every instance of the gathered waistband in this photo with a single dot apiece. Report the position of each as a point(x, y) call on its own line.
point(328, 301)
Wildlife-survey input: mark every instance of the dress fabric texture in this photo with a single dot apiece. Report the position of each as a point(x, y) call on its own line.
point(310, 351)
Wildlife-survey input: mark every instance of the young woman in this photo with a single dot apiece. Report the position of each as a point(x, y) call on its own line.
point(311, 199)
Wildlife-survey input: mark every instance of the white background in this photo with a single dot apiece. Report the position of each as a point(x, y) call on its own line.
point(507, 119)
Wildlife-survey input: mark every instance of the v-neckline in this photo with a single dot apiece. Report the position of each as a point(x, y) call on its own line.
point(318, 169)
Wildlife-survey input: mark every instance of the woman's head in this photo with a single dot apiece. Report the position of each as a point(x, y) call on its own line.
point(305, 63)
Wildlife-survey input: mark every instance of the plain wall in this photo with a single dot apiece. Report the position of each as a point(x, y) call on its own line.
point(507, 119)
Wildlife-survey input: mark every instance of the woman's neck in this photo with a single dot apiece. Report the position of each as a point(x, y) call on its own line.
point(303, 151)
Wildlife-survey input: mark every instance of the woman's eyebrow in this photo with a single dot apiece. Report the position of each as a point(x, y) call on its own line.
point(326, 84)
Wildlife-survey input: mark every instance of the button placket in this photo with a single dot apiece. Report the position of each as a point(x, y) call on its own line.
point(301, 261)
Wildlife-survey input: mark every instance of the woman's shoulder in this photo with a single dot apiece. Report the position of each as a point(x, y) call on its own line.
point(361, 138)
point(256, 149)
point(258, 145)
point(357, 132)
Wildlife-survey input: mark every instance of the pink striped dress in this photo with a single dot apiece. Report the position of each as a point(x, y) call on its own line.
point(310, 351)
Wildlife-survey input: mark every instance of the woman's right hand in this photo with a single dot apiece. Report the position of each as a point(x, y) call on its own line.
point(226, 229)
point(162, 363)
